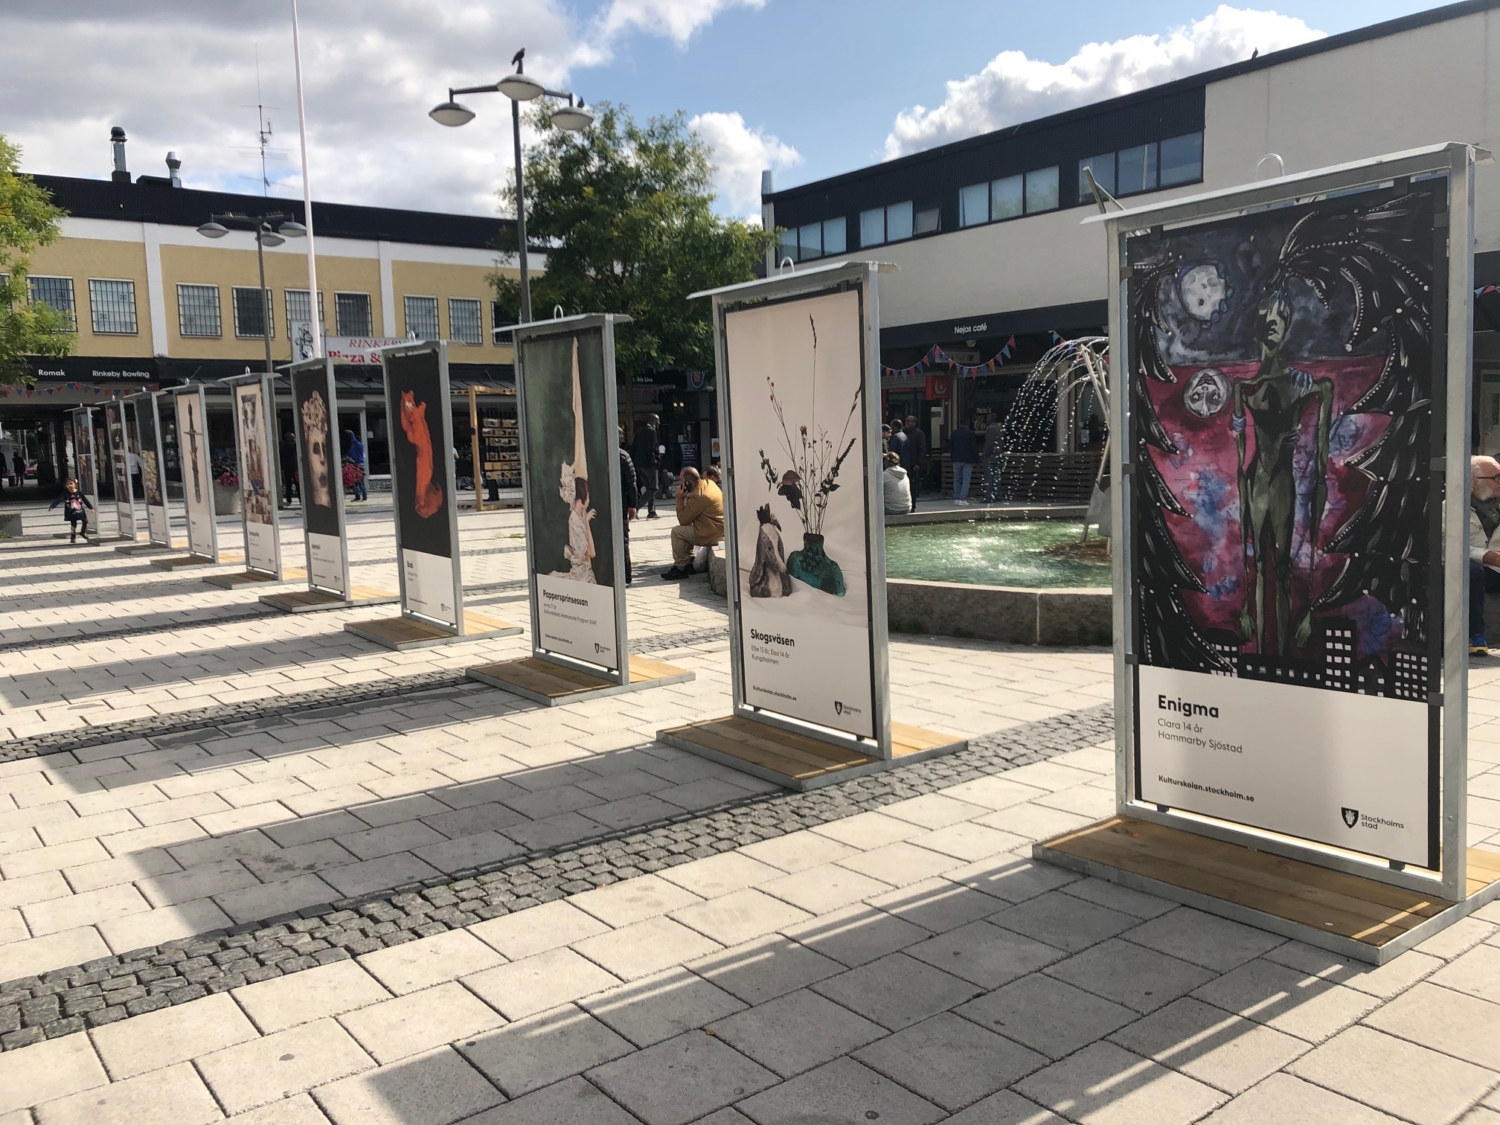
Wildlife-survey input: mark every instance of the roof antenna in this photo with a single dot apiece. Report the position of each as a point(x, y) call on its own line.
point(264, 133)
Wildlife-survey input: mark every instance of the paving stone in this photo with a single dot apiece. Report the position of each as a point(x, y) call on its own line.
point(1384, 981)
point(842, 1090)
point(45, 1071)
point(1215, 943)
point(740, 915)
point(313, 995)
point(720, 875)
point(1107, 1085)
point(573, 1100)
point(1126, 901)
point(58, 914)
point(821, 889)
point(172, 1035)
point(796, 1032)
point(268, 900)
point(984, 954)
point(633, 900)
point(896, 991)
point(1047, 1015)
point(681, 1079)
point(1284, 1100)
point(1292, 1002)
point(1377, 1069)
point(173, 1094)
point(645, 947)
point(436, 1088)
point(538, 929)
point(537, 983)
point(543, 1049)
point(1460, 1025)
point(377, 874)
point(659, 1007)
point(1006, 1108)
point(1130, 974)
point(1476, 972)
point(950, 1061)
point(797, 851)
point(1064, 921)
point(277, 1066)
point(1225, 1051)
point(154, 927)
point(428, 961)
point(1010, 879)
point(298, 1110)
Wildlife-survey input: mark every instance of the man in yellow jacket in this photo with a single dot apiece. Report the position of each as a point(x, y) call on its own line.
point(700, 521)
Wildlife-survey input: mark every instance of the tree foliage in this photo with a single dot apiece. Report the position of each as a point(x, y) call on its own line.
point(27, 220)
point(625, 214)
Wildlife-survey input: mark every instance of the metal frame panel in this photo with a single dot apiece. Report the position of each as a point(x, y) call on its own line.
point(126, 511)
point(393, 414)
point(177, 394)
point(87, 414)
point(835, 277)
point(161, 465)
point(1452, 364)
point(347, 593)
point(268, 413)
point(570, 325)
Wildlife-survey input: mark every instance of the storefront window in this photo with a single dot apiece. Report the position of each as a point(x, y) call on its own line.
point(1005, 198)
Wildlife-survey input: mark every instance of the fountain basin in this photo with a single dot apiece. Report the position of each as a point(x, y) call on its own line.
point(1059, 617)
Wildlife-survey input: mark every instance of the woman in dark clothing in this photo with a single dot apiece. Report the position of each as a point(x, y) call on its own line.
point(629, 491)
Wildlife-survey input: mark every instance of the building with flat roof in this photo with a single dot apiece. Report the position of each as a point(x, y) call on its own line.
point(994, 264)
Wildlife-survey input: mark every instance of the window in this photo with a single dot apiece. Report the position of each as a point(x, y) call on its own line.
point(1006, 198)
point(1182, 159)
point(1103, 168)
point(927, 221)
point(351, 313)
point(422, 318)
point(464, 325)
point(898, 222)
point(1041, 190)
point(251, 307)
point(788, 246)
point(198, 310)
point(872, 227)
point(974, 205)
point(835, 238)
point(112, 306)
point(297, 306)
point(499, 317)
point(58, 293)
point(810, 241)
point(1137, 170)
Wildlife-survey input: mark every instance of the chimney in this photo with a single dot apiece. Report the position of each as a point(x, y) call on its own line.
point(121, 174)
point(174, 169)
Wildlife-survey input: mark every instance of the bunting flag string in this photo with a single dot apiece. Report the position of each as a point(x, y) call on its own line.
point(936, 357)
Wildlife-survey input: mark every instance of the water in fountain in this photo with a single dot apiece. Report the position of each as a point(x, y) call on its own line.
point(1030, 426)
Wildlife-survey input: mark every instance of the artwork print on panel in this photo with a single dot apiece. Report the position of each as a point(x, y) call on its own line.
point(145, 420)
point(256, 484)
point(422, 457)
point(1282, 425)
point(319, 454)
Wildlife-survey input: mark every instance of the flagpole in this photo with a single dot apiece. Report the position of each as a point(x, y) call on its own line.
point(312, 261)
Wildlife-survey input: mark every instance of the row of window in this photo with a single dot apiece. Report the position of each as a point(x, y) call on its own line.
point(1160, 164)
point(112, 311)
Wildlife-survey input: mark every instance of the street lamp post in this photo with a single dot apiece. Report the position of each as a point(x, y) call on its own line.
point(269, 231)
point(519, 87)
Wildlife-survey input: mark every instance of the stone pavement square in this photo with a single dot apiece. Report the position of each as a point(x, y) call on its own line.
point(537, 1051)
point(950, 1061)
point(796, 1032)
point(681, 1079)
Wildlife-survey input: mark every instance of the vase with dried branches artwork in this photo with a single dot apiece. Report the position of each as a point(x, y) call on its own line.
point(814, 458)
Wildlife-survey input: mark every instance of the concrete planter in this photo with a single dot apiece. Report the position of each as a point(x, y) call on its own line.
point(227, 500)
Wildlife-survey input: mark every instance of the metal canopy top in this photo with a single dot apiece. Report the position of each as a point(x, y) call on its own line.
point(1412, 162)
point(566, 323)
point(816, 275)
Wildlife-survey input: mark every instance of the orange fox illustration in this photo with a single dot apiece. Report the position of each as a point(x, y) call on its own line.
point(414, 424)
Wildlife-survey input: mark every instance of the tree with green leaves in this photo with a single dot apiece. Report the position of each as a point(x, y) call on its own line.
point(625, 214)
point(27, 220)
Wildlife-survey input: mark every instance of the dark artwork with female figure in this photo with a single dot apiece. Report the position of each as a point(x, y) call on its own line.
point(1282, 424)
point(421, 483)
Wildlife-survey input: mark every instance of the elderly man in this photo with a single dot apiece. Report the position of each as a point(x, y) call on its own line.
point(700, 521)
point(1484, 545)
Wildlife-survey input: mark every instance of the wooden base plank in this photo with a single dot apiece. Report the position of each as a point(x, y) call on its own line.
point(403, 633)
point(1354, 916)
point(253, 577)
point(143, 548)
point(182, 562)
point(801, 761)
point(305, 601)
point(551, 684)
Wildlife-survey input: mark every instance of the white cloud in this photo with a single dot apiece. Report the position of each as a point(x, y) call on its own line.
point(178, 74)
point(1014, 88)
point(740, 155)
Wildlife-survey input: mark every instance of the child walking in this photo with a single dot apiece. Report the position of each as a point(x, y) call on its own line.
point(75, 510)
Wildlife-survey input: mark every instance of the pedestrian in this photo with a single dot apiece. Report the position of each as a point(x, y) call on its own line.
point(18, 462)
point(288, 468)
point(647, 451)
point(75, 510)
point(137, 489)
point(895, 486)
point(963, 450)
point(885, 439)
point(356, 458)
point(700, 521)
point(913, 453)
point(991, 454)
point(630, 490)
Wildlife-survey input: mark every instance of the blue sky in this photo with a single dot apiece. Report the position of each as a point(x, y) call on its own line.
point(809, 87)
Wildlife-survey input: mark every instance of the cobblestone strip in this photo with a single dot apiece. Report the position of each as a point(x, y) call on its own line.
point(133, 631)
point(238, 718)
point(69, 1000)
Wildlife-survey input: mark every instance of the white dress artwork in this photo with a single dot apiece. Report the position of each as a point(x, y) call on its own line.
point(572, 487)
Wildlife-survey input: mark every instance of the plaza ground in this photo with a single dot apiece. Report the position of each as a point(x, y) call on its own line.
point(255, 868)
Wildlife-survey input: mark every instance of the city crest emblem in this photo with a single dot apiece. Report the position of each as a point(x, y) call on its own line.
point(838, 708)
point(1351, 817)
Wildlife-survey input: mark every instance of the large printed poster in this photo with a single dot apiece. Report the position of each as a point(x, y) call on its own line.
point(1284, 566)
point(570, 458)
point(257, 485)
point(114, 425)
point(797, 429)
point(321, 481)
point(422, 481)
point(84, 458)
point(153, 472)
point(197, 483)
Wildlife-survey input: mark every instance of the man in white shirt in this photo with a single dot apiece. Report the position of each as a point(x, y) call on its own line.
point(1484, 545)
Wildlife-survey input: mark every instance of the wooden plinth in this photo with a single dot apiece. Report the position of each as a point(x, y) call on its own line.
point(139, 548)
point(254, 577)
point(402, 633)
point(799, 761)
point(550, 684)
point(1353, 916)
point(305, 601)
